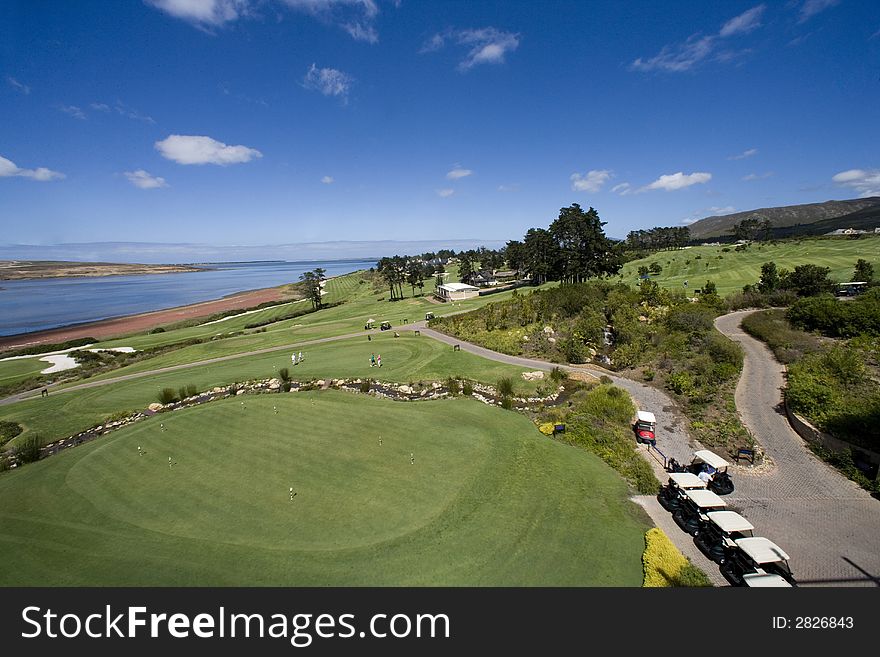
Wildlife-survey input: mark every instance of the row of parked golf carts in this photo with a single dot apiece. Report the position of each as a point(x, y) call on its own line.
point(693, 497)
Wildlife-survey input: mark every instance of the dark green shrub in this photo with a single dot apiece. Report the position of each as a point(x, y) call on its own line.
point(191, 390)
point(167, 396)
point(181, 393)
point(605, 379)
point(467, 387)
point(158, 329)
point(284, 374)
point(507, 402)
point(453, 386)
point(8, 431)
point(558, 375)
point(365, 385)
point(505, 386)
point(285, 386)
point(29, 450)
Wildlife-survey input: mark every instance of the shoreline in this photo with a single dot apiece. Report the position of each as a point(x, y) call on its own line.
point(124, 324)
point(37, 270)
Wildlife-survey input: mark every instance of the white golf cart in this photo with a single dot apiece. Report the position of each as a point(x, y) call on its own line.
point(691, 515)
point(672, 494)
point(644, 427)
point(717, 536)
point(710, 467)
point(756, 556)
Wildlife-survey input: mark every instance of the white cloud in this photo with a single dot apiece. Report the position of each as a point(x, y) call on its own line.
point(203, 12)
point(327, 180)
point(486, 45)
point(745, 22)
point(144, 180)
point(189, 149)
point(73, 111)
point(508, 188)
point(101, 107)
point(445, 193)
point(8, 169)
point(624, 189)
point(713, 211)
point(591, 181)
point(812, 7)
point(23, 88)
point(679, 57)
point(744, 154)
point(328, 81)
point(674, 181)
point(458, 172)
point(354, 16)
point(864, 181)
point(756, 176)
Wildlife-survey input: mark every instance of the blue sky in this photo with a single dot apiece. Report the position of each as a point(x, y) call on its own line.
point(285, 121)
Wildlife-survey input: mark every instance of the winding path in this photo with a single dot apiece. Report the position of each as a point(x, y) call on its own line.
point(829, 526)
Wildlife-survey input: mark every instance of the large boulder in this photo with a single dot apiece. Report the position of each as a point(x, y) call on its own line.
point(155, 407)
point(533, 376)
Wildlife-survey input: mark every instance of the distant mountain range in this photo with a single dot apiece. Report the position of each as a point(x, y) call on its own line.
point(789, 220)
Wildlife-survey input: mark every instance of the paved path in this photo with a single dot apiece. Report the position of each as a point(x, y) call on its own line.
point(829, 526)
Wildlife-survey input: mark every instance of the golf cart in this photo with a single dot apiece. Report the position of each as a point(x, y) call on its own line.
point(710, 467)
point(672, 494)
point(385, 326)
point(371, 324)
point(691, 515)
point(756, 556)
point(717, 536)
point(644, 427)
point(429, 316)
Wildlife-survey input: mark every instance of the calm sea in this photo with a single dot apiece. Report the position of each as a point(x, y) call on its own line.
point(35, 305)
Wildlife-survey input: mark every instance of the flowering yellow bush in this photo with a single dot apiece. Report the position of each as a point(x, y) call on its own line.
point(546, 428)
point(664, 565)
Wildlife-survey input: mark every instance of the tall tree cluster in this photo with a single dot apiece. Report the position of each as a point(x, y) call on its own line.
point(656, 239)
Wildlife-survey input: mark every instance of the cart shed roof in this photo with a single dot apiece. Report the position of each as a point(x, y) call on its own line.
point(705, 499)
point(765, 580)
point(686, 480)
point(711, 458)
point(730, 521)
point(762, 550)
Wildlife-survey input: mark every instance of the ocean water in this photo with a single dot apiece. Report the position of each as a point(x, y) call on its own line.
point(36, 305)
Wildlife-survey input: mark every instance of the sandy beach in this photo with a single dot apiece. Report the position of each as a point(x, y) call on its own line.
point(107, 328)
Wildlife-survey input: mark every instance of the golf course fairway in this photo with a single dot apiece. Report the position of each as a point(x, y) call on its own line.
point(449, 492)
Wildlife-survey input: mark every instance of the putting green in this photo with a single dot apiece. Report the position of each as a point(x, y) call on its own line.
point(485, 500)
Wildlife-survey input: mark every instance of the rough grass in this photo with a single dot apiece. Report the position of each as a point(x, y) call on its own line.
point(489, 501)
point(787, 344)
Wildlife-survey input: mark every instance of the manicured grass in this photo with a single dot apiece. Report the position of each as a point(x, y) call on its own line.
point(404, 359)
point(489, 501)
point(13, 371)
point(730, 271)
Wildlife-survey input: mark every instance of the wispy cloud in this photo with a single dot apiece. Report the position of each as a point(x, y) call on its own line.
point(144, 180)
point(122, 109)
point(745, 22)
point(713, 211)
point(591, 181)
point(486, 45)
point(328, 81)
point(756, 176)
point(327, 180)
point(864, 181)
point(744, 154)
point(679, 57)
point(18, 86)
point(203, 13)
point(458, 172)
point(72, 110)
point(673, 181)
point(445, 193)
point(189, 149)
point(624, 189)
point(508, 188)
point(812, 7)
point(356, 17)
point(9, 169)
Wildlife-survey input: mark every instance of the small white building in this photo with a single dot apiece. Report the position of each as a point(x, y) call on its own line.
point(456, 291)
